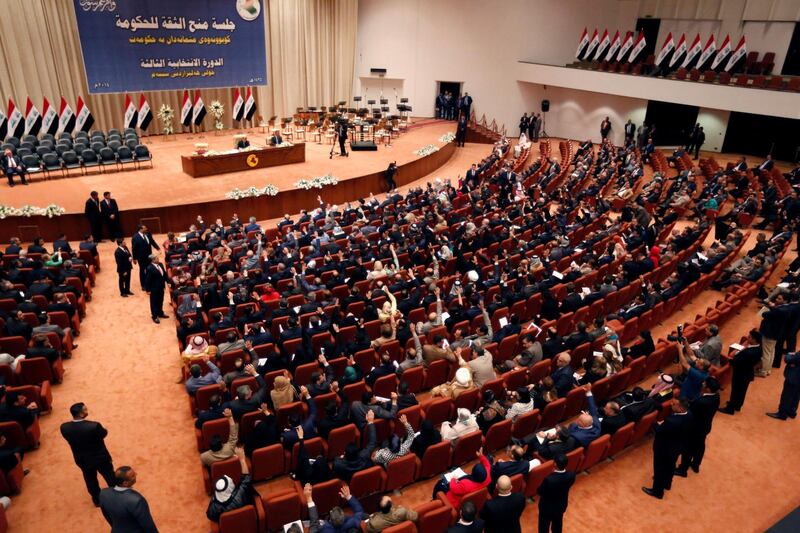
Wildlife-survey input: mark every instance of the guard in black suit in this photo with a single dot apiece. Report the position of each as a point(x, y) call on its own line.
point(110, 212)
point(142, 244)
point(554, 496)
point(671, 437)
point(342, 133)
point(743, 364)
point(461, 131)
point(502, 513)
point(155, 280)
point(703, 410)
point(94, 215)
point(790, 395)
point(124, 261)
point(125, 509)
point(86, 438)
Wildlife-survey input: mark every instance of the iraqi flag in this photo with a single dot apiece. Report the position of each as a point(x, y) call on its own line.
point(605, 40)
point(584, 40)
point(84, 118)
point(16, 122)
point(638, 46)
point(708, 51)
point(593, 42)
point(238, 106)
point(724, 50)
point(199, 111)
point(49, 118)
point(738, 54)
point(33, 119)
point(66, 118)
point(692, 52)
point(145, 115)
point(679, 50)
point(3, 125)
point(249, 105)
point(615, 42)
point(131, 114)
point(186, 109)
point(669, 44)
point(626, 45)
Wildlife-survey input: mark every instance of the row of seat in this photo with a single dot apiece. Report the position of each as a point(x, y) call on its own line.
point(51, 163)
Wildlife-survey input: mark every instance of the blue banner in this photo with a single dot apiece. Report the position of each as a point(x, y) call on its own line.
point(153, 45)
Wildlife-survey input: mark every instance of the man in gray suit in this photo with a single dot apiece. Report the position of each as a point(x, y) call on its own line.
point(124, 508)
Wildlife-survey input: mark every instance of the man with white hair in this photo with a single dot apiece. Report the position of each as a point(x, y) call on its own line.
point(155, 280)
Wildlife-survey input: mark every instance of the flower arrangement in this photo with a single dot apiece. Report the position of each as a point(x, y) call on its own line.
point(166, 115)
point(447, 137)
point(217, 110)
point(252, 192)
point(200, 148)
point(317, 182)
point(285, 144)
point(427, 150)
point(52, 210)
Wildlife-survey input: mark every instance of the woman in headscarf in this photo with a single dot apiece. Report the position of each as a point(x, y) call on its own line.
point(655, 255)
point(465, 423)
point(282, 392)
point(456, 489)
point(462, 382)
point(491, 412)
point(352, 374)
point(523, 404)
point(611, 355)
point(428, 436)
point(187, 305)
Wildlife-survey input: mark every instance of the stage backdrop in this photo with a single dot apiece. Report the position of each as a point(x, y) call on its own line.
point(152, 45)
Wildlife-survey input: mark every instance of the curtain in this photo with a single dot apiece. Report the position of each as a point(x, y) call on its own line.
point(311, 52)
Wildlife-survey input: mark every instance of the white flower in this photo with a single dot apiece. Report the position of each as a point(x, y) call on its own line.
point(166, 115)
point(217, 109)
point(252, 192)
point(447, 137)
point(285, 144)
point(427, 150)
point(317, 182)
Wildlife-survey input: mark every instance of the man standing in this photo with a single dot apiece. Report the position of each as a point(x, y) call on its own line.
point(86, 438)
point(554, 496)
point(461, 131)
point(155, 280)
point(343, 139)
point(743, 364)
point(391, 170)
point(142, 244)
point(630, 132)
point(94, 215)
point(790, 395)
point(536, 125)
point(466, 105)
point(524, 122)
point(699, 139)
point(110, 211)
point(605, 128)
point(671, 437)
point(124, 508)
point(703, 410)
point(12, 165)
point(502, 513)
point(124, 266)
point(772, 323)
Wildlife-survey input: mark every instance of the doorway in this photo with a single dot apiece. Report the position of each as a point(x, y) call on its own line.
point(650, 27)
point(454, 89)
point(672, 121)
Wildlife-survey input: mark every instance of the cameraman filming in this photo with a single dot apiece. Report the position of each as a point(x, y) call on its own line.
point(391, 170)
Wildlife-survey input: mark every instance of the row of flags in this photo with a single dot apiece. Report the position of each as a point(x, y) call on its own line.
point(607, 48)
point(194, 110)
point(15, 124)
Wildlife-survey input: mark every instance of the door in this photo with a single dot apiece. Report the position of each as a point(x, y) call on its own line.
point(453, 88)
point(650, 28)
point(672, 121)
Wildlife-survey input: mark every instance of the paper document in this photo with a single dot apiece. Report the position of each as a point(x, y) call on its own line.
point(503, 321)
point(558, 275)
point(455, 474)
point(736, 346)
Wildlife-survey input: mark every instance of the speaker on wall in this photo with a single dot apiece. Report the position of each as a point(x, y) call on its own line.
point(545, 106)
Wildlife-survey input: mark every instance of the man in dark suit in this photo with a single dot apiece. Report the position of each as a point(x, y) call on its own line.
point(502, 513)
point(467, 523)
point(699, 139)
point(466, 105)
point(630, 132)
point(516, 465)
point(342, 137)
point(790, 395)
point(155, 280)
point(94, 215)
point(703, 410)
point(554, 496)
point(125, 509)
point(142, 244)
point(613, 419)
point(461, 131)
point(110, 212)
point(124, 261)
point(12, 165)
point(86, 438)
point(671, 437)
point(765, 167)
point(276, 139)
point(743, 364)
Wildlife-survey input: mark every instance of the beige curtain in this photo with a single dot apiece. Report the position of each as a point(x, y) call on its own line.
point(311, 59)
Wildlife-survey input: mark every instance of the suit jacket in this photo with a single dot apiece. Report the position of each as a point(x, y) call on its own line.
point(671, 435)
point(703, 410)
point(142, 248)
point(92, 209)
point(155, 278)
point(791, 373)
point(109, 207)
point(86, 438)
point(611, 424)
point(123, 259)
point(6, 166)
point(475, 527)
point(127, 511)
point(554, 492)
point(502, 514)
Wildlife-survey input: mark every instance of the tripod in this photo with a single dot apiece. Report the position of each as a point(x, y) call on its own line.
point(544, 124)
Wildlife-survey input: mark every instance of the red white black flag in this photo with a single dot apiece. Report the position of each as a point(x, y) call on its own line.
point(626, 45)
point(604, 42)
point(249, 105)
point(84, 118)
point(66, 117)
point(669, 44)
point(679, 50)
point(49, 118)
point(708, 51)
point(238, 105)
point(186, 109)
point(739, 53)
point(692, 52)
point(16, 122)
point(593, 42)
point(131, 114)
point(615, 42)
point(638, 46)
point(33, 119)
point(199, 108)
point(724, 50)
point(145, 114)
point(584, 40)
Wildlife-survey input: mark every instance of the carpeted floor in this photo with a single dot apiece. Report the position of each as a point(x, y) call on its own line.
point(126, 367)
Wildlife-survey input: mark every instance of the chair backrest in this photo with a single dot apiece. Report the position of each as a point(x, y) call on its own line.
point(466, 447)
point(51, 160)
point(401, 472)
point(536, 476)
point(142, 151)
point(114, 145)
point(281, 509)
point(644, 425)
point(553, 413)
point(498, 436)
point(339, 438)
point(433, 518)
point(575, 400)
point(70, 157)
point(439, 410)
point(268, 462)
point(88, 155)
point(436, 460)
point(124, 153)
point(31, 161)
point(367, 482)
point(526, 423)
point(595, 451)
point(620, 439)
point(326, 495)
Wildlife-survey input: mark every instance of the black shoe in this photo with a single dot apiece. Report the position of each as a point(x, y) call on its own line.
point(695, 469)
point(25, 183)
point(129, 293)
point(156, 320)
point(74, 346)
point(777, 416)
point(681, 473)
point(10, 184)
point(726, 410)
point(124, 294)
point(162, 315)
point(651, 492)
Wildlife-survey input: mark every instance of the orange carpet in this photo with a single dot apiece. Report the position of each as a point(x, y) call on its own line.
point(126, 367)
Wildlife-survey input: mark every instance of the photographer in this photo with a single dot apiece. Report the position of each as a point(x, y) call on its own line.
point(391, 170)
point(696, 368)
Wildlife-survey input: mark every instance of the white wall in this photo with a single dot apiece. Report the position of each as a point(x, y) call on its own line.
point(715, 124)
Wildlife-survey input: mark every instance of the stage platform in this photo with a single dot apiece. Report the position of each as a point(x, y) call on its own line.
point(147, 193)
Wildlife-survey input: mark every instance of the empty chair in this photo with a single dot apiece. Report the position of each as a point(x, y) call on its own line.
point(282, 508)
point(89, 158)
point(498, 436)
point(61, 148)
point(97, 146)
point(22, 152)
point(435, 461)
point(65, 135)
point(553, 413)
point(595, 452)
point(70, 160)
point(131, 143)
point(143, 154)
point(433, 517)
point(28, 145)
point(30, 139)
point(125, 156)
point(535, 478)
point(268, 462)
point(80, 146)
point(115, 131)
point(367, 482)
point(466, 447)
point(13, 140)
point(52, 163)
point(42, 150)
point(619, 440)
point(114, 144)
point(32, 164)
point(400, 472)
point(241, 519)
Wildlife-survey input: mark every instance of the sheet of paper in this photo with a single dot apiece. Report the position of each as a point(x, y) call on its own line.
point(445, 316)
point(558, 275)
point(533, 463)
point(290, 524)
point(736, 346)
point(455, 474)
point(503, 321)
point(381, 399)
point(262, 361)
point(586, 291)
point(296, 309)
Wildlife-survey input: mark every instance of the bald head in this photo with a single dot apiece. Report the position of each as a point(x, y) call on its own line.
point(503, 485)
point(563, 359)
point(585, 420)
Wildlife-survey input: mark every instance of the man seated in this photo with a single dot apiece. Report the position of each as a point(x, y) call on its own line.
point(356, 459)
point(219, 451)
point(388, 515)
point(587, 427)
point(276, 139)
point(13, 166)
point(613, 419)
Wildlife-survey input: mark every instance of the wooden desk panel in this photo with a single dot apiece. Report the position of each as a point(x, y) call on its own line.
point(198, 166)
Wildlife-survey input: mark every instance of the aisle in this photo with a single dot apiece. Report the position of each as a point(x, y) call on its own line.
point(125, 371)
